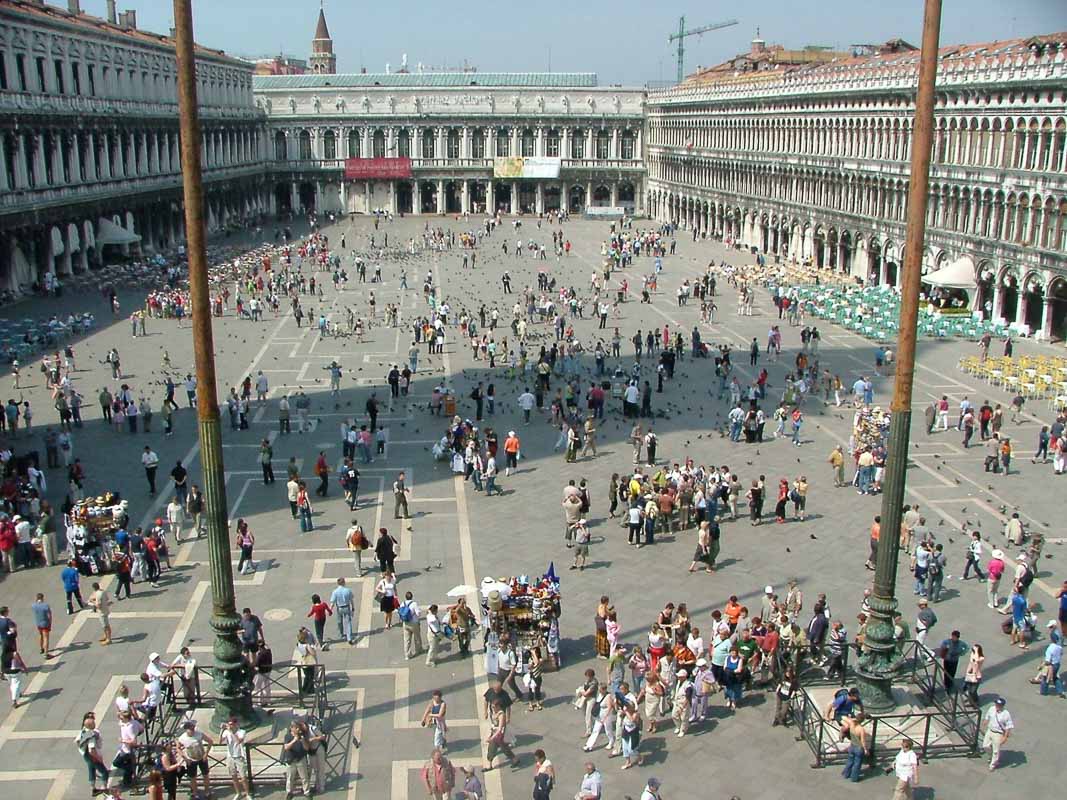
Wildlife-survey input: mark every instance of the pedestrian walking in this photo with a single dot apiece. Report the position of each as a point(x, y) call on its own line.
point(998, 726)
point(151, 464)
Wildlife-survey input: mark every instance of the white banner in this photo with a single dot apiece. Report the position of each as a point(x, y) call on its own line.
point(541, 167)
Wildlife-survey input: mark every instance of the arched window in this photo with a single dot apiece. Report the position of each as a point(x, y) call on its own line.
point(329, 145)
point(355, 141)
point(528, 143)
point(403, 143)
point(629, 145)
point(305, 145)
point(429, 143)
point(478, 143)
point(603, 145)
point(453, 143)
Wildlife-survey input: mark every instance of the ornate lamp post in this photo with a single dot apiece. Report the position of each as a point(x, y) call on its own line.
point(232, 676)
point(877, 664)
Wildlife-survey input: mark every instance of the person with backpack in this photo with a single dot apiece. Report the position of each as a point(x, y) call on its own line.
point(357, 543)
point(409, 613)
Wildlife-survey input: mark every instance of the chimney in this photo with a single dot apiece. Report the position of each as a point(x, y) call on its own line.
point(74, 6)
point(112, 16)
point(128, 20)
point(173, 33)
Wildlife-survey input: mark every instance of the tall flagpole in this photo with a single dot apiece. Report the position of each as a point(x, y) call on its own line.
point(877, 664)
point(232, 676)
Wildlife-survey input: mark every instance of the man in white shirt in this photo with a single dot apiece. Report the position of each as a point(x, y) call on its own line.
point(906, 768)
point(409, 613)
point(151, 463)
point(233, 736)
point(175, 518)
point(526, 402)
point(592, 784)
point(999, 726)
point(433, 635)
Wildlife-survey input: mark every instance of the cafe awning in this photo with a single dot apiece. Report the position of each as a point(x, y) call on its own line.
point(110, 233)
point(957, 275)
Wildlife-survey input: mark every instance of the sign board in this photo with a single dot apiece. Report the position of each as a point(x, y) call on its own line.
point(604, 212)
point(377, 168)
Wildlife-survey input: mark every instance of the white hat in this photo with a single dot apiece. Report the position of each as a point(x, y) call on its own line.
point(768, 589)
point(1051, 623)
point(998, 554)
point(152, 657)
point(511, 433)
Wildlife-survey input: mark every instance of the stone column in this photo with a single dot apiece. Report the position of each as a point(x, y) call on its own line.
point(614, 194)
point(294, 198)
point(614, 144)
point(64, 267)
point(515, 197)
point(590, 151)
point(5, 185)
point(490, 199)
point(588, 194)
point(564, 196)
point(344, 196)
point(540, 202)
point(367, 197)
point(539, 141)
point(465, 200)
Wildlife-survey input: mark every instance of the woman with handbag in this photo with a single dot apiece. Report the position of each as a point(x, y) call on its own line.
point(385, 592)
point(385, 550)
point(434, 717)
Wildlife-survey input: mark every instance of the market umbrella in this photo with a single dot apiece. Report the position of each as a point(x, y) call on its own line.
point(462, 590)
point(489, 586)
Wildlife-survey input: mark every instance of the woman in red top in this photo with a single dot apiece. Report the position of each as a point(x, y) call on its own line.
point(322, 469)
point(318, 613)
point(783, 498)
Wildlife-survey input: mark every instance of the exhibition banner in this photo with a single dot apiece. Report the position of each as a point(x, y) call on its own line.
point(377, 168)
point(541, 167)
point(507, 167)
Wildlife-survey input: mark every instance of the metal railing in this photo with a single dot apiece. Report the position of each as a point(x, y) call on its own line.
point(947, 726)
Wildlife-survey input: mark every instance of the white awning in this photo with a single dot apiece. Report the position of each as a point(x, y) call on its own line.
point(110, 233)
point(957, 275)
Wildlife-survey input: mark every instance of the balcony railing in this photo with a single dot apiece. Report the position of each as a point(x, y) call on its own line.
point(302, 164)
point(68, 194)
point(59, 104)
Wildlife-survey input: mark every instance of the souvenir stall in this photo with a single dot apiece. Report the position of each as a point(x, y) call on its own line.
point(91, 528)
point(870, 428)
point(527, 609)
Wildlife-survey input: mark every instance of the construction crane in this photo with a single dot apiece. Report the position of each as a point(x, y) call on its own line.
point(683, 33)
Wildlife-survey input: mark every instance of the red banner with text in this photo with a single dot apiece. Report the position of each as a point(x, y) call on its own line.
point(377, 168)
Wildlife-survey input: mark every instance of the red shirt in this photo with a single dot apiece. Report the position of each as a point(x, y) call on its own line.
point(319, 611)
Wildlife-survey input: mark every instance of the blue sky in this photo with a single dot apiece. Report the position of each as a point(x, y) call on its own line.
point(624, 41)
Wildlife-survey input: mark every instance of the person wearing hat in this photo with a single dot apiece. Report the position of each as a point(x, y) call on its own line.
point(999, 725)
point(651, 790)
point(924, 621)
point(683, 698)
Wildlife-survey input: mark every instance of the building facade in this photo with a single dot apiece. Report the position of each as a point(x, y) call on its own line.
point(456, 129)
point(810, 162)
point(89, 153)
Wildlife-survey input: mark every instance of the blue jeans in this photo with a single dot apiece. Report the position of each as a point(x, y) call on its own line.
point(855, 763)
point(96, 768)
point(1057, 684)
point(344, 623)
point(490, 486)
point(413, 362)
point(364, 453)
point(735, 431)
point(306, 525)
point(920, 581)
point(865, 479)
point(476, 479)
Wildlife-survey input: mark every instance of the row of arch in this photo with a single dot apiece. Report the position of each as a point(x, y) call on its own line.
point(1024, 218)
point(1005, 289)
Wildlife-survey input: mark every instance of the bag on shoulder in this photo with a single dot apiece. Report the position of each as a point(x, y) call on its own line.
point(405, 613)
